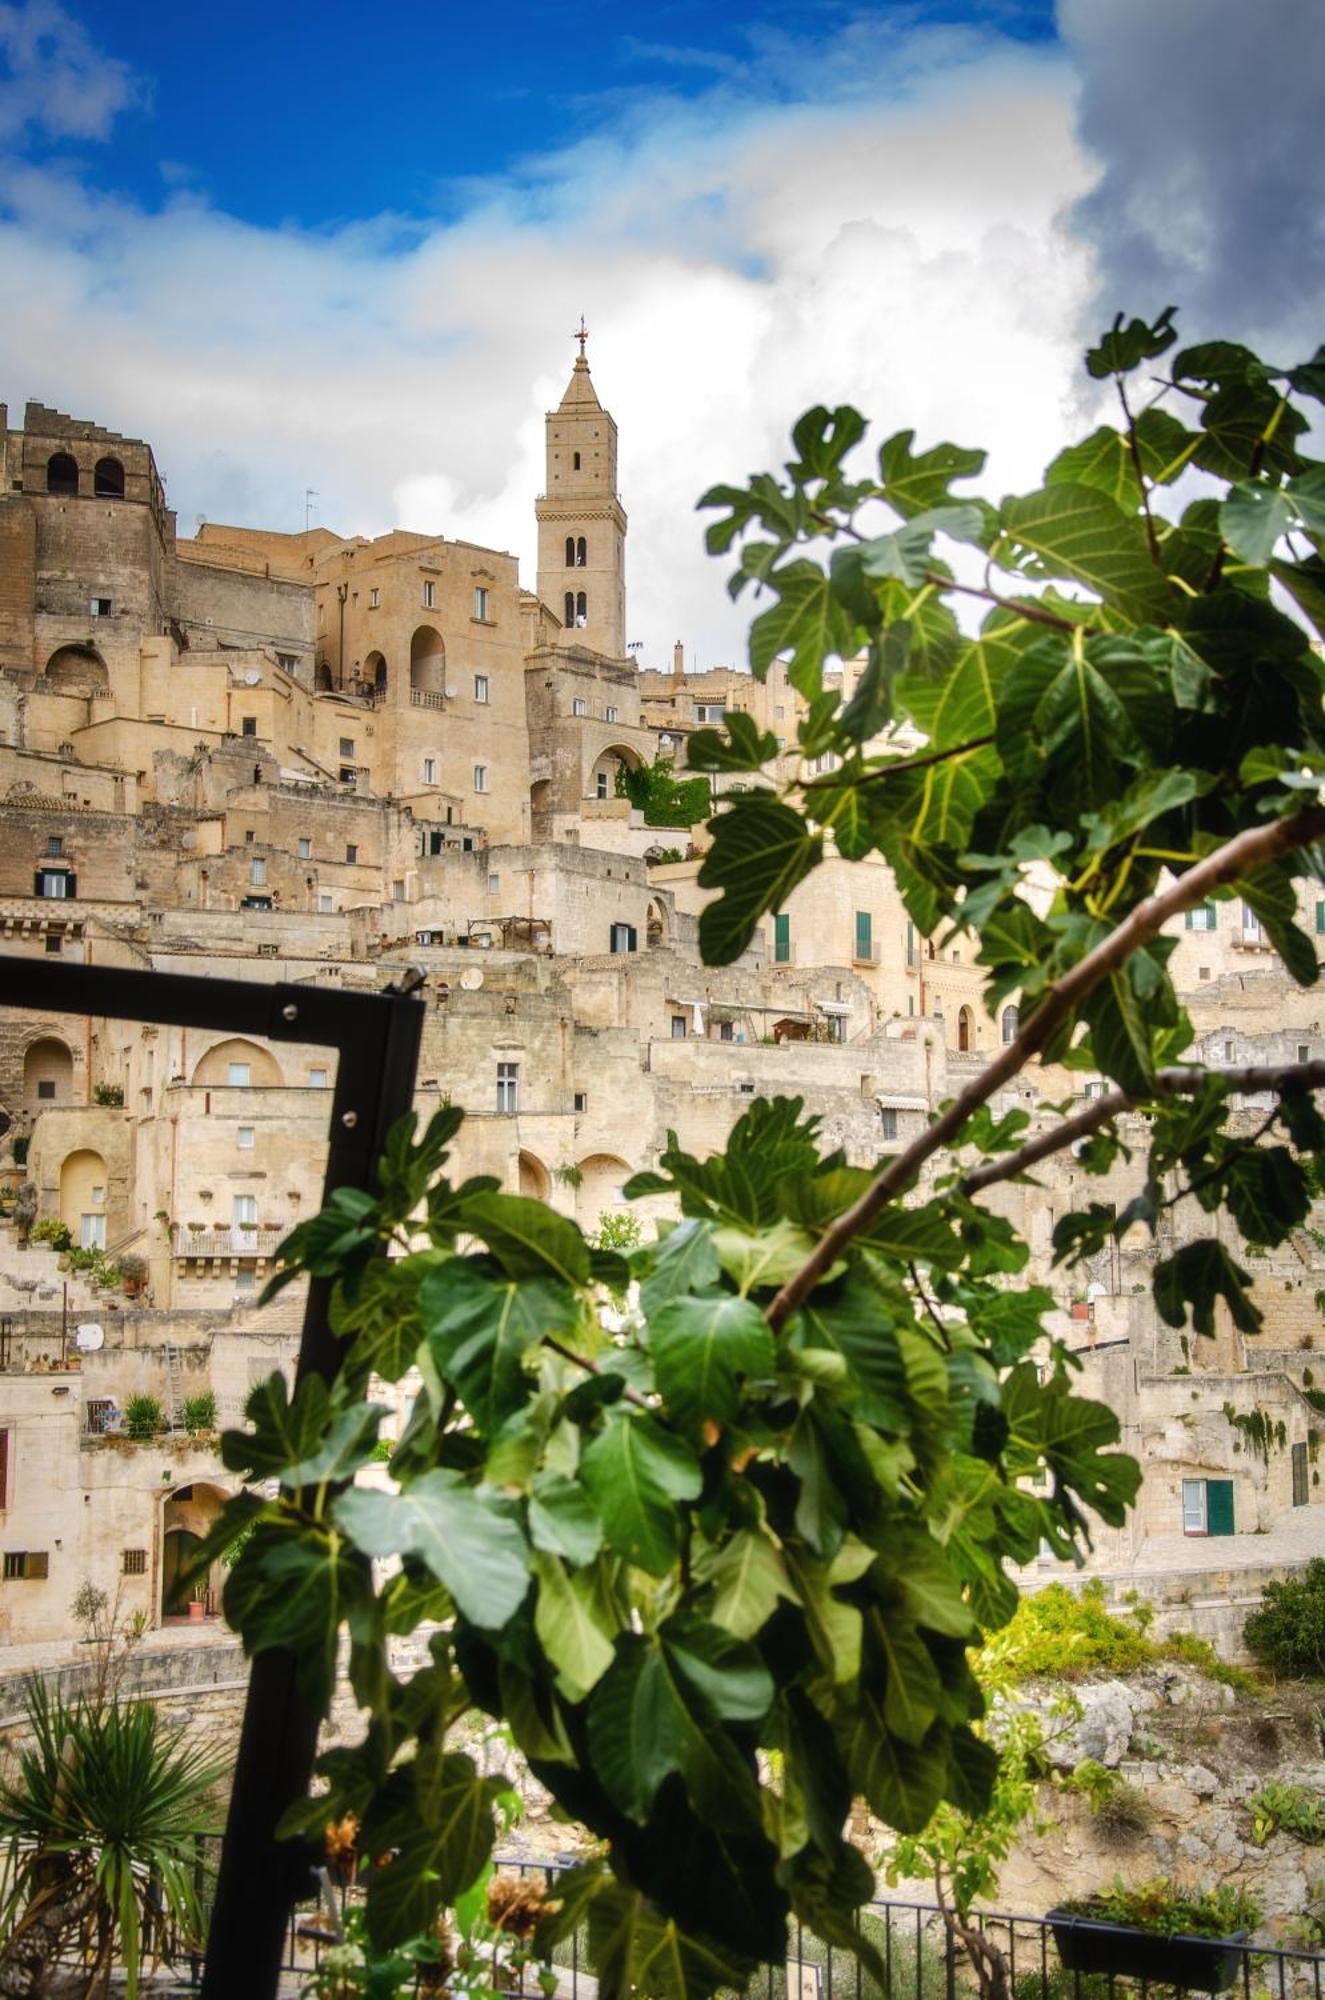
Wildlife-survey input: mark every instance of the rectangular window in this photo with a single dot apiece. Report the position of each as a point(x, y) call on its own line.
point(56, 885)
point(31, 1565)
point(351, 851)
point(864, 935)
point(508, 1088)
point(579, 706)
point(429, 596)
point(257, 872)
point(912, 955)
point(1300, 1480)
point(887, 1121)
point(480, 687)
point(430, 770)
point(98, 607)
point(1095, 1088)
point(581, 1100)
point(4, 1469)
point(481, 603)
point(624, 937)
point(1202, 918)
point(248, 836)
point(600, 785)
point(679, 1026)
point(726, 1031)
point(398, 890)
point(610, 713)
point(239, 1075)
point(325, 903)
point(1304, 1052)
point(1207, 1506)
point(244, 1138)
point(374, 600)
point(55, 847)
point(480, 777)
point(248, 725)
point(133, 1562)
point(317, 1079)
point(1251, 925)
point(347, 746)
point(54, 942)
point(244, 1211)
point(782, 939)
point(1320, 919)
point(304, 848)
point(45, 1088)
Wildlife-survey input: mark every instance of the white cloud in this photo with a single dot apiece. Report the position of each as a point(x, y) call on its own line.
point(888, 234)
point(53, 79)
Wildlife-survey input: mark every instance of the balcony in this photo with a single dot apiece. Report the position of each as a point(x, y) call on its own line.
point(425, 698)
point(865, 954)
point(207, 1245)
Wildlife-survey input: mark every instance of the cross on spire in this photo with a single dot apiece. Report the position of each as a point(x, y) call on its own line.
point(581, 334)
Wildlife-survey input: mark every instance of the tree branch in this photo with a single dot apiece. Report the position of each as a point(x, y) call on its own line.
point(833, 780)
point(1237, 857)
point(590, 1367)
point(1032, 613)
point(1168, 1083)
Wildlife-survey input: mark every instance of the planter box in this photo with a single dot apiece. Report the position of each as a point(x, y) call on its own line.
point(1089, 1944)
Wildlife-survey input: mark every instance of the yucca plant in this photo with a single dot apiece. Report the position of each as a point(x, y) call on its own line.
point(98, 1829)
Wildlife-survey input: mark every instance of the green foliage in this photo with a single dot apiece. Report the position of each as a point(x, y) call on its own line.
point(662, 797)
point(1263, 1433)
point(618, 1229)
point(1278, 1808)
point(199, 1412)
point(55, 1233)
point(1199, 1653)
point(1120, 1809)
point(111, 1094)
point(143, 1418)
point(100, 1816)
point(1165, 1910)
point(1287, 1630)
point(1068, 1633)
point(19, 1145)
point(719, 1559)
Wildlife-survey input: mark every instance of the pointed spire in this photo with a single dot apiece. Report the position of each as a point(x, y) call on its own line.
point(580, 391)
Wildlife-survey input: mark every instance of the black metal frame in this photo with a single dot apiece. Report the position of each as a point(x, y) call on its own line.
point(376, 1037)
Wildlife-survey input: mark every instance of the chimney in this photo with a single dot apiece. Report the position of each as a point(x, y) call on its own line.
point(678, 661)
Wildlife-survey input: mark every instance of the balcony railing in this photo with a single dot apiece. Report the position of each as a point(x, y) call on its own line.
point(235, 1242)
point(425, 698)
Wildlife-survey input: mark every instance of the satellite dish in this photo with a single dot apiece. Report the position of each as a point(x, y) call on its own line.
point(252, 678)
point(471, 979)
point(88, 1337)
point(450, 694)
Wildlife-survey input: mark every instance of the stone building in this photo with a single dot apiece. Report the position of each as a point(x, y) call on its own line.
point(329, 759)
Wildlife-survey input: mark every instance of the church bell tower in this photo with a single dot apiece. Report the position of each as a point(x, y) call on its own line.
point(581, 522)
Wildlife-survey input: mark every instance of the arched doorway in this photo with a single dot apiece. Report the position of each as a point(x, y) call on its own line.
point(83, 1188)
point(602, 778)
point(535, 1181)
point(602, 1177)
point(965, 1029)
point(78, 670)
point(427, 661)
point(189, 1514)
point(48, 1074)
point(656, 926)
point(374, 670)
point(108, 479)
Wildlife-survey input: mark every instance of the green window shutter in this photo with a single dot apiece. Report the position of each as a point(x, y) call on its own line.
point(1189, 919)
point(781, 940)
point(864, 933)
point(1320, 919)
point(1212, 917)
point(1219, 1506)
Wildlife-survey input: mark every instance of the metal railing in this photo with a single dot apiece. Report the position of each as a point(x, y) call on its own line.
point(234, 1242)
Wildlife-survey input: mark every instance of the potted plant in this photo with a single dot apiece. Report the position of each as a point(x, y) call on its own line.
point(1158, 1932)
point(133, 1272)
point(198, 1602)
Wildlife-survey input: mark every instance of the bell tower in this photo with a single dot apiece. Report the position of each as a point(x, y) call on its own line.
point(581, 522)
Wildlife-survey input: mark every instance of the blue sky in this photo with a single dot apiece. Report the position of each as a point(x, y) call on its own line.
point(293, 258)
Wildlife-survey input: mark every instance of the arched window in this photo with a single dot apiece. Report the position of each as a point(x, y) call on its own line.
point(1009, 1024)
point(581, 553)
point(108, 479)
point(964, 1029)
point(570, 551)
point(569, 619)
point(61, 474)
point(576, 456)
point(581, 608)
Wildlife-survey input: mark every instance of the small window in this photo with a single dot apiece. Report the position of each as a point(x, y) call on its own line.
point(1304, 1052)
point(579, 706)
point(249, 836)
point(429, 596)
point(248, 725)
point(239, 1075)
point(480, 777)
point(600, 784)
point(912, 955)
point(257, 871)
point(374, 600)
point(1202, 972)
point(1228, 1052)
point(508, 1088)
point(679, 1027)
point(30, 1565)
point(1095, 1088)
point(581, 552)
point(54, 941)
point(55, 847)
point(481, 603)
point(623, 938)
point(726, 1031)
point(494, 884)
point(480, 687)
point(351, 851)
point(1009, 1022)
point(1320, 919)
point(244, 1138)
point(1300, 1486)
point(347, 746)
point(782, 939)
point(133, 1562)
point(430, 770)
point(398, 890)
point(568, 608)
point(45, 1089)
point(317, 1079)
point(864, 935)
point(1251, 924)
point(246, 1279)
point(288, 662)
point(98, 607)
point(581, 1100)
point(325, 903)
point(575, 460)
point(610, 713)
point(1202, 918)
point(304, 848)
point(888, 1121)
point(55, 884)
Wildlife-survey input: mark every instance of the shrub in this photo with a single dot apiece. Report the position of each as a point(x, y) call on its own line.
point(1287, 1809)
point(1069, 1632)
point(1199, 1653)
point(132, 1268)
point(143, 1418)
point(1161, 1907)
point(53, 1232)
point(19, 1148)
point(200, 1412)
point(662, 797)
point(108, 1094)
point(1287, 1631)
point(84, 1260)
